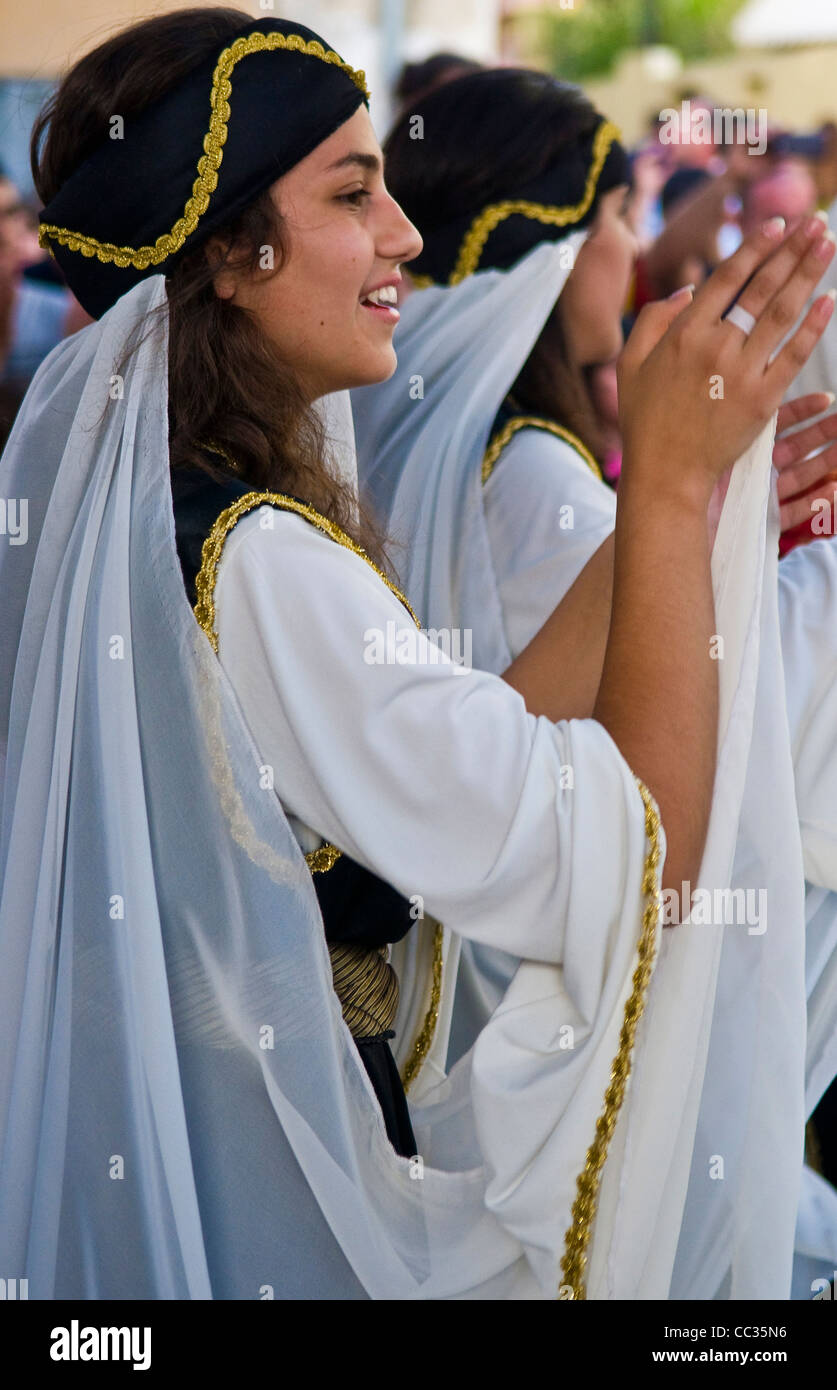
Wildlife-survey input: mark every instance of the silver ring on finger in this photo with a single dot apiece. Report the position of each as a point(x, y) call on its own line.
point(742, 319)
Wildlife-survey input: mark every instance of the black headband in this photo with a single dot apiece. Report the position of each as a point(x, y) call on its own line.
point(557, 202)
point(193, 160)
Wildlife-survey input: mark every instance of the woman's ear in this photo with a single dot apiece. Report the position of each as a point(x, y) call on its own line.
point(224, 281)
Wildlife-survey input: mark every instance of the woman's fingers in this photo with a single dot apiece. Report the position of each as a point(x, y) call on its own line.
point(810, 473)
point(793, 356)
point(803, 509)
point(793, 448)
point(652, 323)
point(727, 282)
point(803, 408)
point(778, 314)
point(777, 268)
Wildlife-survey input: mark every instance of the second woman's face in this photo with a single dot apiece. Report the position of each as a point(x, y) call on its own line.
point(331, 308)
point(594, 296)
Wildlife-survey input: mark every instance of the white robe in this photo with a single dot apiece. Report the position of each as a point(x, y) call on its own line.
point(546, 515)
point(441, 782)
point(480, 827)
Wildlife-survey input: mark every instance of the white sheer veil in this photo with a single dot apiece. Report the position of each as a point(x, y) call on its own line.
point(183, 1113)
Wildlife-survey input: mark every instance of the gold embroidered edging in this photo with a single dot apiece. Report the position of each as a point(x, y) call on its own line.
point(578, 1235)
point(422, 1044)
point(521, 422)
point(214, 545)
point(319, 860)
point(473, 243)
point(210, 161)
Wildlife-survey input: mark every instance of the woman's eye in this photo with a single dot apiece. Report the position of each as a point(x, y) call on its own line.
point(356, 198)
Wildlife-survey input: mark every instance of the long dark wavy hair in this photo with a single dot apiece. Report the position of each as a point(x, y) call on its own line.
point(498, 130)
point(228, 383)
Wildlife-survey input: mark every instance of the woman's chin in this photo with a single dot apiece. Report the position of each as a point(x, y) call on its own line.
point(377, 367)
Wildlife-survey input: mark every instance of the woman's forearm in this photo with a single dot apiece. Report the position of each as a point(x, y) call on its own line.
point(638, 623)
point(658, 697)
point(573, 641)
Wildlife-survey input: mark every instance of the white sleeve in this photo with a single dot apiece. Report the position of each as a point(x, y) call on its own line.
point(808, 619)
point(435, 778)
point(547, 514)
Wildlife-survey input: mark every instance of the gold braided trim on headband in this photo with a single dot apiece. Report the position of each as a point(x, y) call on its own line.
point(208, 164)
point(537, 422)
point(473, 243)
point(584, 1207)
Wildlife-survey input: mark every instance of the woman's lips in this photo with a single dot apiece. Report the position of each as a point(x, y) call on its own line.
point(387, 312)
point(382, 301)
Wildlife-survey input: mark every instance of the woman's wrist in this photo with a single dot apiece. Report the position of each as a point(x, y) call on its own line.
point(664, 485)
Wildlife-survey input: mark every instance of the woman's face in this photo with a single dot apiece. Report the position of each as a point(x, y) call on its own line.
point(346, 239)
point(594, 296)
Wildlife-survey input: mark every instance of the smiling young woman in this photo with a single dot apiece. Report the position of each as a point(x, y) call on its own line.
point(332, 311)
point(241, 824)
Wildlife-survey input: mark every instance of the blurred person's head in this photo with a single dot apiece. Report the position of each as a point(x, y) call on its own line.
point(18, 233)
point(786, 190)
point(419, 79)
point(515, 134)
point(682, 184)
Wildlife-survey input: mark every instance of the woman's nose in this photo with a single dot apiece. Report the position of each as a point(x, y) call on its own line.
point(402, 240)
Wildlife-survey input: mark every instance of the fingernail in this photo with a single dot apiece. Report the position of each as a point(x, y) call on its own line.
point(824, 248)
point(831, 397)
point(682, 290)
point(822, 215)
point(826, 304)
point(774, 228)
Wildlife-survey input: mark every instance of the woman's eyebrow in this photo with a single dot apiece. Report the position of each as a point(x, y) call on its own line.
point(366, 161)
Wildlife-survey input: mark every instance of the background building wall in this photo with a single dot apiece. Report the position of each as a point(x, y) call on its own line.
point(41, 38)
